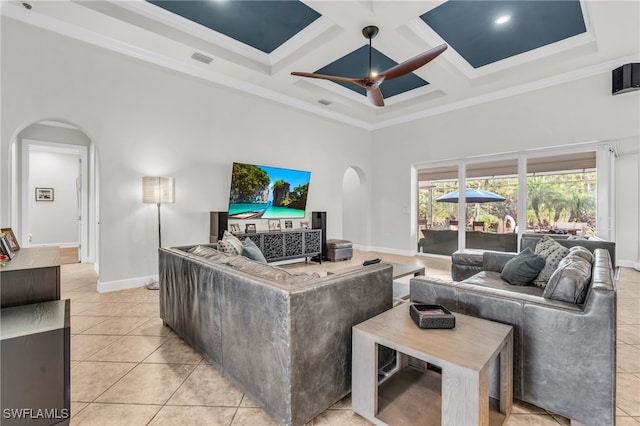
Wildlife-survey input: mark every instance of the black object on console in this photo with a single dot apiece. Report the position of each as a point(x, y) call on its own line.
point(319, 221)
point(218, 223)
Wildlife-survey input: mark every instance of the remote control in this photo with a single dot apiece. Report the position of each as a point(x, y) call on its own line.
point(371, 262)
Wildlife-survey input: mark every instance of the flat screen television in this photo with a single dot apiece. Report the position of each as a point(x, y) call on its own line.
point(262, 192)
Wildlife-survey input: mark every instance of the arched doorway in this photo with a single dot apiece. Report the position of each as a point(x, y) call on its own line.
point(354, 210)
point(56, 160)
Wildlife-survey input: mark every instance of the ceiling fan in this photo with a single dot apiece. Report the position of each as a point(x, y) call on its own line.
point(372, 81)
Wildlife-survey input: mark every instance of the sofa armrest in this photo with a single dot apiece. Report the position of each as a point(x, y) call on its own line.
point(495, 261)
point(434, 290)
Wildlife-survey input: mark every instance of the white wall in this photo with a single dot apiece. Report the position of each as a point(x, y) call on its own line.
point(53, 222)
point(579, 112)
point(149, 121)
point(145, 120)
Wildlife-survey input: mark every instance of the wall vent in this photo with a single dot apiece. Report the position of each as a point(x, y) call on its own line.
point(201, 58)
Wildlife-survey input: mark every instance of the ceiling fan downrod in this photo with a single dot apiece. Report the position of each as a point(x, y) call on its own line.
point(370, 32)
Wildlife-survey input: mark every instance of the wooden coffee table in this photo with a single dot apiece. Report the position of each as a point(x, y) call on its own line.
point(457, 396)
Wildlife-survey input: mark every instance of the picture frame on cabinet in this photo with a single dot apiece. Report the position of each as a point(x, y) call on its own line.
point(5, 247)
point(274, 224)
point(11, 238)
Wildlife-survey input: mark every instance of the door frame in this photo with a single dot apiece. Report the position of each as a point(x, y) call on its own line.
point(28, 145)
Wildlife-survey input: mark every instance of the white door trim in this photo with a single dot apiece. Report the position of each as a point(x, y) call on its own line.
point(29, 145)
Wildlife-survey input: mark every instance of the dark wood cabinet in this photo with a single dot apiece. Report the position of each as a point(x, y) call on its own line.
point(35, 368)
point(32, 276)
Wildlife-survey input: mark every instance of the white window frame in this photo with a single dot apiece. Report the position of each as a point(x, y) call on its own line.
point(605, 185)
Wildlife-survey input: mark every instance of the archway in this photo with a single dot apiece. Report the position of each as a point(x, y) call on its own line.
point(354, 210)
point(60, 157)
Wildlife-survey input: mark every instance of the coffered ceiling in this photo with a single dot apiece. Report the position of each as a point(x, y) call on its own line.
point(496, 48)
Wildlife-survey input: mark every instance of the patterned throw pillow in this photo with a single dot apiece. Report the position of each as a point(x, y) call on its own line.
point(233, 240)
point(227, 247)
point(553, 252)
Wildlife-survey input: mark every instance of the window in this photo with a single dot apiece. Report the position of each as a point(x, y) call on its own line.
point(564, 191)
point(561, 194)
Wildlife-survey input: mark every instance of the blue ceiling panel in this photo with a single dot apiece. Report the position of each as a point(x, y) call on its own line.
point(469, 26)
point(356, 65)
point(264, 25)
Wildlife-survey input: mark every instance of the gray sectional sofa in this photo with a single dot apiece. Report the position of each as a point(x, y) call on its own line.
point(284, 339)
point(564, 353)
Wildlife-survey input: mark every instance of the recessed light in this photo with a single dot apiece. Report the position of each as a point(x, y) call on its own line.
point(503, 19)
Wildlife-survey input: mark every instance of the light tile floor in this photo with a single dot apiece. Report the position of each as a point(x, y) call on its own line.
point(128, 369)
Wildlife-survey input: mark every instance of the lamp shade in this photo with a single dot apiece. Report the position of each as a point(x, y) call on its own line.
point(158, 190)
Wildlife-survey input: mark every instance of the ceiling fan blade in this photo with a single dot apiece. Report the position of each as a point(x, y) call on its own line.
point(328, 77)
point(412, 64)
point(375, 96)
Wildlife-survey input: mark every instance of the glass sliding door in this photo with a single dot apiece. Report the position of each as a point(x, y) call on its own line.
point(492, 205)
point(561, 194)
point(437, 221)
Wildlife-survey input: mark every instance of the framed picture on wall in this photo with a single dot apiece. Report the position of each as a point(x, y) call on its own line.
point(250, 227)
point(44, 194)
point(235, 228)
point(304, 224)
point(288, 224)
point(13, 241)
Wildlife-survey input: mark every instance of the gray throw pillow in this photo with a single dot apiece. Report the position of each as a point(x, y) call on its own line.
point(553, 252)
point(570, 282)
point(582, 252)
point(523, 268)
point(252, 251)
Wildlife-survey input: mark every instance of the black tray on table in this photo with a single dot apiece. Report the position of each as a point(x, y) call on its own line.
point(432, 316)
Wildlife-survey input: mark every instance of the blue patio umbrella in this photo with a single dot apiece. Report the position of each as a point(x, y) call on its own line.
point(473, 196)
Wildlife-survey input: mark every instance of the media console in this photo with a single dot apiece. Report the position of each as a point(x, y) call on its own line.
point(282, 245)
point(276, 245)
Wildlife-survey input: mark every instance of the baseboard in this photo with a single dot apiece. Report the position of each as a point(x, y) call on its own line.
point(61, 245)
point(105, 287)
point(634, 264)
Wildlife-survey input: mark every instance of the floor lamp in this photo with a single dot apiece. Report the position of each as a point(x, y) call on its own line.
point(158, 190)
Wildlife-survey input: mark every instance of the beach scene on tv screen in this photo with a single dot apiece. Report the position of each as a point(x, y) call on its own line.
point(262, 192)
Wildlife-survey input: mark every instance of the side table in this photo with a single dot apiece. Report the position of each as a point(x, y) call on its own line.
point(457, 396)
